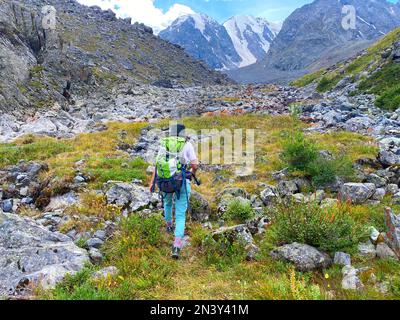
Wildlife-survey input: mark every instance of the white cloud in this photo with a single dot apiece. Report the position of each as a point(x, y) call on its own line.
point(142, 11)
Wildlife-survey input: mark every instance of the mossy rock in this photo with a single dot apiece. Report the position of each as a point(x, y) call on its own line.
point(199, 207)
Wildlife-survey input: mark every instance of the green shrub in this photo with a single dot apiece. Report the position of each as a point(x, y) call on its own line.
point(136, 233)
point(323, 171)
point(239, 210)
point(299, 152)
point(328, 82)
point(224, 252)
point(390, 99)
point(330, 229)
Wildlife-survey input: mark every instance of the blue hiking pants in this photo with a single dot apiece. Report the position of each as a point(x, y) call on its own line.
point(181, 206)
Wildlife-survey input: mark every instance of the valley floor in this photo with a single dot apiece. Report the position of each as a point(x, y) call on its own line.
point(139, 248)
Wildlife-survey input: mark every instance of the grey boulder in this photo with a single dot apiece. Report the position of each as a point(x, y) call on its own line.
point(105, 273)
point(240, 232)
point(95, 256)
point(94, 243)
point(357, 193)
point(342, 259)
point(350, 280)
point(269, 195)
point(32, 256)
point(287, 188)
point(393, 234)
point(304, 257)
point(129, 196)
point(388, 158)
point(367, 250)
point(7, 205)
point(384, 252)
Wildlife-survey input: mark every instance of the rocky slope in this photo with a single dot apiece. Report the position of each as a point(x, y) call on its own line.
point(133, 103)
point(314, 34)
point(89, 52)
point(372, 71)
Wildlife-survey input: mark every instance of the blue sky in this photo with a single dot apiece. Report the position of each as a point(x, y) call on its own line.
point(221, 10)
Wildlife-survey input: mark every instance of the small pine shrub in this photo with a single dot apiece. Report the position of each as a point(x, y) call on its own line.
point(323, 171)
point(330, 229)
point(239, 210)
point(299, 152)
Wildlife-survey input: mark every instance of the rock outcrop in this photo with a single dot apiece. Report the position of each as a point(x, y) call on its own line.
point(32, 257)
point(131, 197)
point(393, 235)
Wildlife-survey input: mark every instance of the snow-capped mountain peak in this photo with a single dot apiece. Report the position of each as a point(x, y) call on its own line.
point(205, 39)
point(241, 41)
point(197, 20)
point(251, 37)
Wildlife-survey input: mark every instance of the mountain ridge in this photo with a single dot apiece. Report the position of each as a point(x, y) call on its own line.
point(240, 41)
point(204, 39)
point(311, 32)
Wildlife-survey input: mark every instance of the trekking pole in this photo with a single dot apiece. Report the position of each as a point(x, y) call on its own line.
point(198, 182)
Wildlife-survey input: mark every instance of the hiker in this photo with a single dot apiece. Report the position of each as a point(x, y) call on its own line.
point(176, 165)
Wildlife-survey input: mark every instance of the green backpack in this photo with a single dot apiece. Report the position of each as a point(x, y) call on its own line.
point(168, 165)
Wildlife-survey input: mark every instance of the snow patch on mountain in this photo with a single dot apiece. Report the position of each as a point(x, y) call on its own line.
point(251, 37)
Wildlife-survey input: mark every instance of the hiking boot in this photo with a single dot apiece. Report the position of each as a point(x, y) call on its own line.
point(176, 253)
point(170, 229)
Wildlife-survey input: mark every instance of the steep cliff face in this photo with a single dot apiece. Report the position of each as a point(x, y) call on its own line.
point(88, 51)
